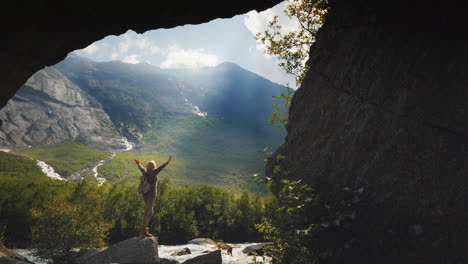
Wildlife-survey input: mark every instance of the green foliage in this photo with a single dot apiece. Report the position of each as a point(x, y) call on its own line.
point(64, 224)
point(306, 227)
point(18, 167)
point(183, 213)
point(67, 157)
point(23, 185)
point(280, 113)
point(289, 225)
point(292, 48)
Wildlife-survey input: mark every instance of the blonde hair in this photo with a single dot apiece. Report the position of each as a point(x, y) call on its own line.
point(151, 165)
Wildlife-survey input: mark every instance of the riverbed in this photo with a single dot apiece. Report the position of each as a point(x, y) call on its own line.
point(165, 252)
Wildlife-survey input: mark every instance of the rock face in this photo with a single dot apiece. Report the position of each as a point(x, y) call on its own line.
point(384, 110)
point(50, 109)
point(213, 257)
point(134, 250)
point(258, 249)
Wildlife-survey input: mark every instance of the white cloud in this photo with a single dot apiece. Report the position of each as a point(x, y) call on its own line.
point(114, 55)
point(258, 22)
point(155, 49)
point(131, 43)
point(123, 46)
point(91, 49)
point(133, 59)
point(188, 58)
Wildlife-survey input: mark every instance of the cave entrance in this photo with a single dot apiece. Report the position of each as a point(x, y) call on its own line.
point(200, 92)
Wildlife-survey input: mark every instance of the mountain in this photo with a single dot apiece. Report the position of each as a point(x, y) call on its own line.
point(49, 109)
point(135, 96)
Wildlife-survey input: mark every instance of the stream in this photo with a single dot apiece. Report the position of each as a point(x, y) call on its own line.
point(165, 252)
point(50, 172)
point(94, 168)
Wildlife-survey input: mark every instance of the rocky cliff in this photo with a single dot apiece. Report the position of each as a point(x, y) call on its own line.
point(383, 110)
point(50, 109)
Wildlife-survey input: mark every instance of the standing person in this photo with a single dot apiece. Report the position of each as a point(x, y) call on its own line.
point(151, 174)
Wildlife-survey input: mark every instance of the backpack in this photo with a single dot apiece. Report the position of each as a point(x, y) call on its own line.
point(144, 185)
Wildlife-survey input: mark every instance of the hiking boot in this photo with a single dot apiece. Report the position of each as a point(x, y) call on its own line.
point(144, 232)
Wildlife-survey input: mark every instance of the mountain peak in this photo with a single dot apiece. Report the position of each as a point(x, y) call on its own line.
point(228, 64)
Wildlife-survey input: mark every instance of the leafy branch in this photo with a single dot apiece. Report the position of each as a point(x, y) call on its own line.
point(292, 47)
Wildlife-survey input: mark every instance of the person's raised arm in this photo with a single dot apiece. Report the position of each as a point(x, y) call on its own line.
point(165, 164)
point(139, 166)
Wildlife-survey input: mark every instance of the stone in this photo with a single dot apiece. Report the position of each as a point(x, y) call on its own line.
point(8, 256)
point(168, 261)
point(213, 257)
point(8, 260)
point(383, 112)
point(258, 249)
point(131, 251)
point(203, 241)
point(184, 251)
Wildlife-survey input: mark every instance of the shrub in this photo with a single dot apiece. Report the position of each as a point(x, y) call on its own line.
point(63, 225)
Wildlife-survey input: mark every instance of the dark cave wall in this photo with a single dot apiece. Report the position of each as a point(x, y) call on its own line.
point(36, 34)
point(384, 107)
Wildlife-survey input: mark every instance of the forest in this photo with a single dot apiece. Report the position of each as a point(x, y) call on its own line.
point(181, 212)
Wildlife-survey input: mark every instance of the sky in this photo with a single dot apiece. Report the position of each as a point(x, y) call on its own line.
point(191, 46)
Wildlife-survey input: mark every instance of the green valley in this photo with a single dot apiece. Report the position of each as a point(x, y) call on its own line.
point(205, 150)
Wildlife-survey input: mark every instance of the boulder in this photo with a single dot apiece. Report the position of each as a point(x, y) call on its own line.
point(203, 241)
point(185, 251)
point(8, 256)
point(134, 250)
point(213, 257)
point(8, 260)
point(258, 249)
point(168, 261)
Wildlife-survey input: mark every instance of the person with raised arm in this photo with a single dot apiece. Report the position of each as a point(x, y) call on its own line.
point(148, 190)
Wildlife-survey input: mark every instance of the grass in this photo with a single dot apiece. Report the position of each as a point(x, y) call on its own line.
point(18, 167)
point(67, 157)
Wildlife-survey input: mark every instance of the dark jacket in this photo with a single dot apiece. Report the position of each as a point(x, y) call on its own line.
point(152, 177)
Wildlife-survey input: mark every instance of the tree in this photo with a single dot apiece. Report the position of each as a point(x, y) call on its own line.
point(63, 225)
point(292, 48)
